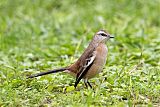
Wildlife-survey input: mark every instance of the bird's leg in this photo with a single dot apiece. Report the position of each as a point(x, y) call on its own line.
point(85, 82)
point(89, 84)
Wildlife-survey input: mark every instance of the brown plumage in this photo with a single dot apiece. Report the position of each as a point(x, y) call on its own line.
point(90, 63)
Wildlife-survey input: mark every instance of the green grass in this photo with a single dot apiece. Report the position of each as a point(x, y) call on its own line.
point(39, 35)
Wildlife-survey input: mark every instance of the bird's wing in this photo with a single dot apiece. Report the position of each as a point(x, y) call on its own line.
point(87, 63)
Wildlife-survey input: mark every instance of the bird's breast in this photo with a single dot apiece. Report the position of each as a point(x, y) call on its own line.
point(101, 54)
point(99, 62)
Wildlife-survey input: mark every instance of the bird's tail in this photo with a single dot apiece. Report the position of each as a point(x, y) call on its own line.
point(48, 72)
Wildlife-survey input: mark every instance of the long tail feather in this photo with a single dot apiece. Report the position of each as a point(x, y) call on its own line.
point(48, 72)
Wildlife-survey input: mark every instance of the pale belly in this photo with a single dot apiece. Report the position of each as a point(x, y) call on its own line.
point(99, 63)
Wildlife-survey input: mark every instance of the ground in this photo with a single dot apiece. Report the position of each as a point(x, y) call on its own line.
point(39, 35)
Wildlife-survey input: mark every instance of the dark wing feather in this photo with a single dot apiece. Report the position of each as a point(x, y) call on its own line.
point(86, 65)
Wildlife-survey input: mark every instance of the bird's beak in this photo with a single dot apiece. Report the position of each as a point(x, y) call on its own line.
point(111, 36)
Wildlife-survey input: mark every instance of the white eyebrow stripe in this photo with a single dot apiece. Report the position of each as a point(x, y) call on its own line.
point(100, 32)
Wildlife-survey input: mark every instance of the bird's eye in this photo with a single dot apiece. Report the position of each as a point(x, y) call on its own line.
point(103, 34)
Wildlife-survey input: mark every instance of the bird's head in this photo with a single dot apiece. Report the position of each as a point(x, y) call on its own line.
point(102, 36)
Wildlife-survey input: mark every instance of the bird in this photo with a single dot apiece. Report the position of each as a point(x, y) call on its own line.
point(90, 63)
